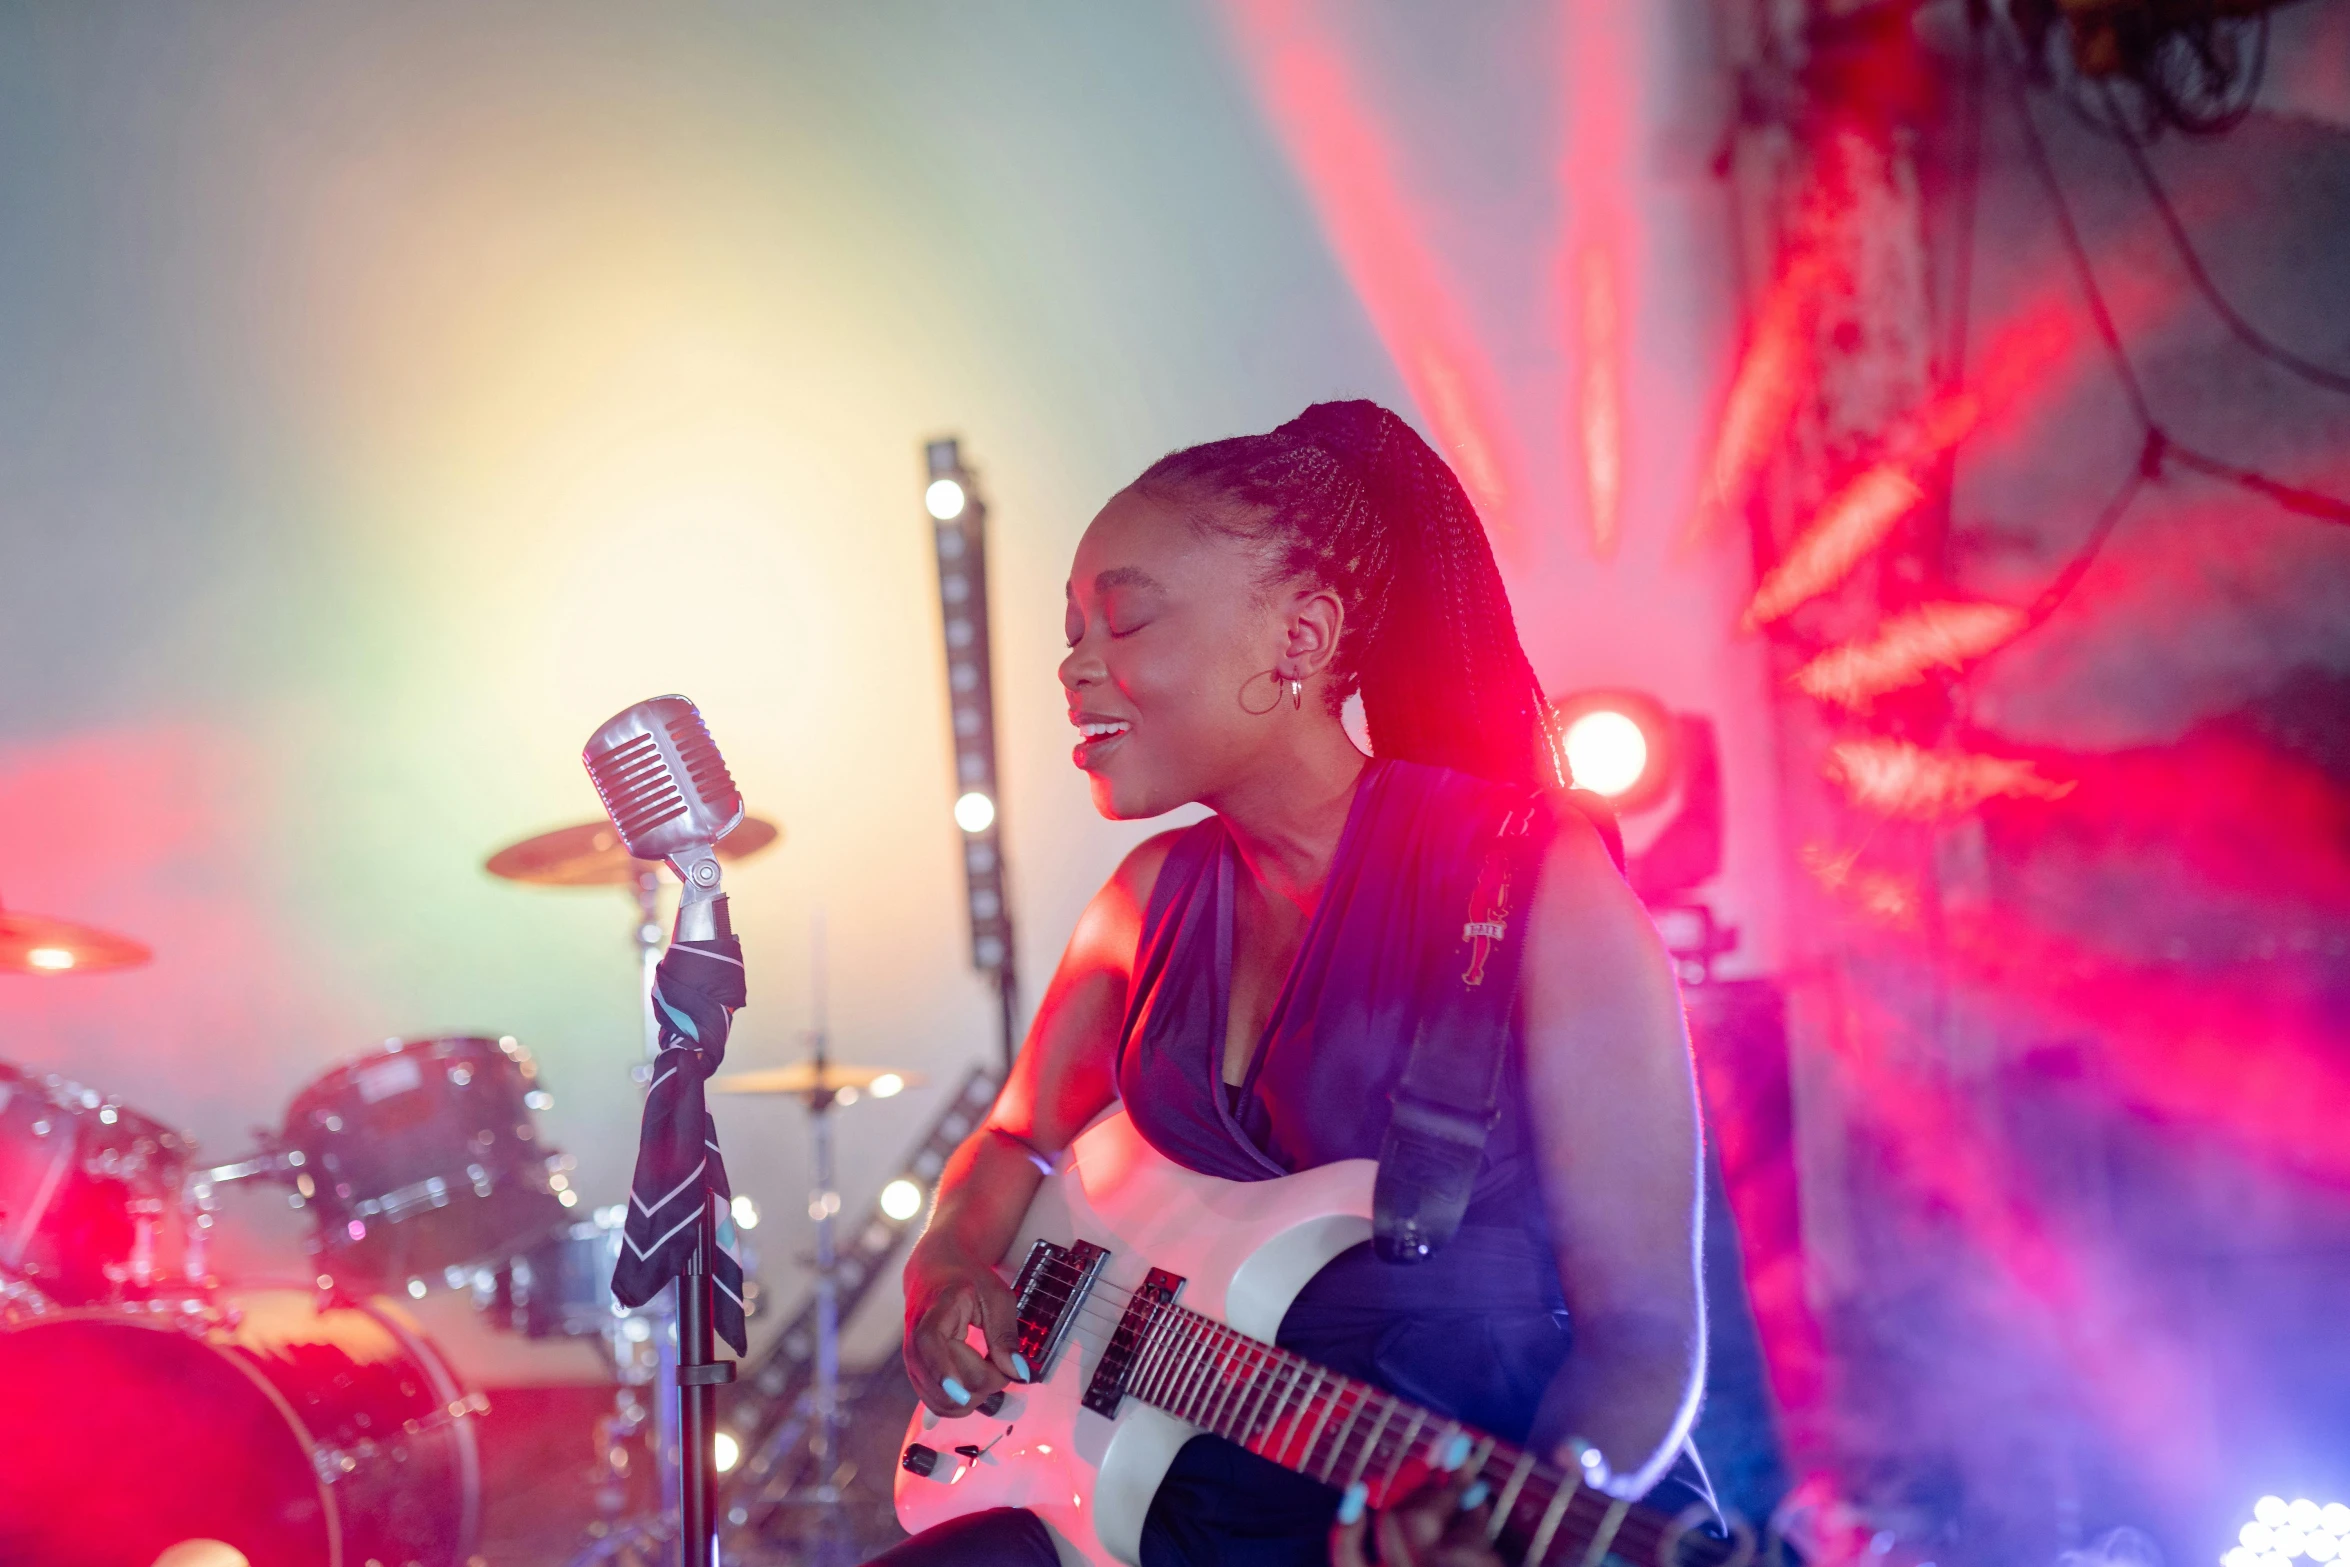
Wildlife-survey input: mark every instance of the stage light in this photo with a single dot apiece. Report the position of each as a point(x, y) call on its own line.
point(416, 1289)
point(745, 1211)
point(901, 1199)
point(945, 499)
point(202, 1553)
point(726, 1452)
point(974, 812)
point(887, 1086)
point(2283, 1532)
point(1620, 745)
point(54, 959)
point(1607, 751)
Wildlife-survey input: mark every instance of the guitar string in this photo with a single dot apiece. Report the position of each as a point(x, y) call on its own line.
point(1636, 1523)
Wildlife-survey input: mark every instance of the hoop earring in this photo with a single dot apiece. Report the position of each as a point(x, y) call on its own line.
point(1297, 695)
point(1242, 695)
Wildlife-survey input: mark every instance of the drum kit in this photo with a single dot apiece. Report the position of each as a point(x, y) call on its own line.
point(164, 1415)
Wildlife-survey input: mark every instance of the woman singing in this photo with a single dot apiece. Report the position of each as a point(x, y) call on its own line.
point(1245, 986)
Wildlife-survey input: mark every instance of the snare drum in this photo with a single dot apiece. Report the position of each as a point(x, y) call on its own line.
point(93, 1196)
point(424, 1156)
point(302, 1436)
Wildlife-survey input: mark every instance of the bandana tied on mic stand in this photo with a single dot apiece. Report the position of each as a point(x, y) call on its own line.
point(696, 991)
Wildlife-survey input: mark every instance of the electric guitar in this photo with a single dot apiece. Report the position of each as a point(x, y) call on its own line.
point(1124, 1375)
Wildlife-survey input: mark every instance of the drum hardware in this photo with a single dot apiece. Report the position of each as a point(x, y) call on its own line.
point(822, 1085)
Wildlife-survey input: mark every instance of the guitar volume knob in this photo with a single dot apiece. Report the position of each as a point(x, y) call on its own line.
point(918, 1460)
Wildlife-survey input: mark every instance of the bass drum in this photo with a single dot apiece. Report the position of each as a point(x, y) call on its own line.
point(299, 1435)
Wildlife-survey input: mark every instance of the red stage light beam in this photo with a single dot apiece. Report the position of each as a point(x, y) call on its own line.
point(1897, 778)
point(1341, 153)
point(1592, 303)
point(1902, 650)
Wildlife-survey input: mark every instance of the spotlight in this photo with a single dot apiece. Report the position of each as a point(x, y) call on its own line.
point(1607, 751)
point(2283, 1532)
point(974, 812)
point(887, 1086)
point(901, 1199)
point(55, 960)
point(726, 1452)
point(745, 1211)
point(1619, 745)
point(945, 499)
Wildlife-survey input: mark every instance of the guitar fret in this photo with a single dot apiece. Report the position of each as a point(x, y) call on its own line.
point(1386, 1414)
point(1304, 1408)
point(1607, 1532)
point(1236, 1381)
point(1269, 1370)
point(1220, 1367)
point(1507, 1502)
point(1158, 1341)
point(1195, 1366)
point(1551, 1517)
point(1339, 1389)
point(1228, 1381)
point(1403, 1450)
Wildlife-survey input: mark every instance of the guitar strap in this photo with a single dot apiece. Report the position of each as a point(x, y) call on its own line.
point(1448, 1098)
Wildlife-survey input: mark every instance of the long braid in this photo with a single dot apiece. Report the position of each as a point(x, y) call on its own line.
point(1349, 496)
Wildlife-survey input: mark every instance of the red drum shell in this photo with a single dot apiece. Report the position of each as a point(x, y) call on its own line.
point(302, 1436)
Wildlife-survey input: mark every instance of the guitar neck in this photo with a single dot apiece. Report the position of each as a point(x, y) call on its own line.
point(1331, 1428)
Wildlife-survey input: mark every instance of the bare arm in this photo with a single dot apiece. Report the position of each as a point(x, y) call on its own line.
point(1616, 1125)
point(1061, 1080)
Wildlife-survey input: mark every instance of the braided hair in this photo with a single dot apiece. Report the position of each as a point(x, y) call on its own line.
point(1349, 497)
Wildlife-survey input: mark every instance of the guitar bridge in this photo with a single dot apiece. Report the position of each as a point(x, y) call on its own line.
point(1102, 1395)
point(1053, 1283)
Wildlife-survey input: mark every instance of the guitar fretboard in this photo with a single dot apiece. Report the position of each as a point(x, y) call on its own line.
point(1342, 1432)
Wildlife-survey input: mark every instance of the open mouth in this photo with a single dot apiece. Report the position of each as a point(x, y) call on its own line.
point(1096, 737)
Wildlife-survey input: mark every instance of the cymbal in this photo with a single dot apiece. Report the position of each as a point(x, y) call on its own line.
point(590, 855)
point(36, 944)
point(801, 1077)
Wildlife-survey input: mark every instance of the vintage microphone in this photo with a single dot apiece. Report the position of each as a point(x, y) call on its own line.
point(668, 793)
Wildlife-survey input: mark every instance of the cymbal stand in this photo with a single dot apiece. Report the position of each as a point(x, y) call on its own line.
point(832, 1544)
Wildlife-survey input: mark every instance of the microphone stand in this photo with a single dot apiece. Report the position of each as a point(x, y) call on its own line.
point(701, 916)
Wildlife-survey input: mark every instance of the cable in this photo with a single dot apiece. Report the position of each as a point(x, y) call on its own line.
point(2251, 336)
point(2160, 442)
point(2060, 586)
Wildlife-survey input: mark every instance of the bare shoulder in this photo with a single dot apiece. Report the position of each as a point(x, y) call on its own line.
point(1111, 926)
point(1577, 869)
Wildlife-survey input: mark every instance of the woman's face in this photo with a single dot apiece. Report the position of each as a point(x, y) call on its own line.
point(1166, 625)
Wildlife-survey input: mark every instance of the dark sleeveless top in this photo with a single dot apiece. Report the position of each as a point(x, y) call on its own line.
point(1478, 1330)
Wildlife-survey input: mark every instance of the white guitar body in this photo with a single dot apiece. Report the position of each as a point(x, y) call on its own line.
point(1243, 1249)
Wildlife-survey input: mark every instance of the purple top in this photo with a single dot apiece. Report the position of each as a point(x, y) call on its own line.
point(1317, 1087)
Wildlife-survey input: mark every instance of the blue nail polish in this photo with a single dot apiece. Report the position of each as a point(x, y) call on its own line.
point(1020, 1365)
point(1350, 1506)
point(1456, 1452)
point(1474, 1496)
point(956, 1390)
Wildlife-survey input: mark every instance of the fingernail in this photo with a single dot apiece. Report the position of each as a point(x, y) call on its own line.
point(1474, 1496)
point(1350, 1506)
point(956, 1390)
point(1456, 1451)
point(1020, 1365)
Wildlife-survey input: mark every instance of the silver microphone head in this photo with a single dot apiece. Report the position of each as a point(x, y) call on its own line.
point(665, 786)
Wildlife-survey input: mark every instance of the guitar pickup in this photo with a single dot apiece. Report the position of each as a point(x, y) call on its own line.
point(1102, 1395)
point(1053, 1284)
